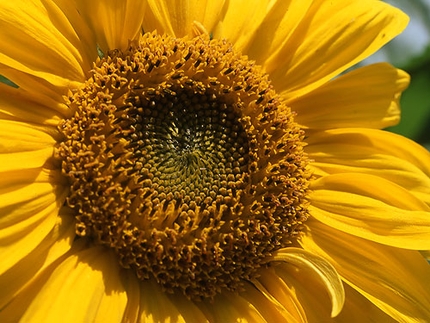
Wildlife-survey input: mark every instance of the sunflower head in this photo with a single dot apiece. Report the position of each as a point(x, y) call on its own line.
point(139, 166)
point(182, 158)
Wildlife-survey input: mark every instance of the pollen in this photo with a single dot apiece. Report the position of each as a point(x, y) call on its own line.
point(182, 158)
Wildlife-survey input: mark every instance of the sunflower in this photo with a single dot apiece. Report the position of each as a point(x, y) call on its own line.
point(207, 161)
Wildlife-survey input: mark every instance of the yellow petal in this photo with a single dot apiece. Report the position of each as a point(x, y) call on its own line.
point(321, 268)
point(24, 160)
point(372, 208)
point(278, 26)
point(157, 306)
point(85, 287)
point(132, 286)
point(33, 89)
point(330, 37)
point(358, 309)
point(29, 267)
point(266, 304)
point(34, 40)
point(309, 290)
point(29, 208)
point(367, 97)
point(388, 142)
point(239, 21)
point(19, 105)
point(395, 280)
point(177, 18)
point(20, 136)
point(23, 145)
point(113, 22)
point(17, 240)
point(285, 294)
point(229, 307)
point(379, 153)
point(72, 24)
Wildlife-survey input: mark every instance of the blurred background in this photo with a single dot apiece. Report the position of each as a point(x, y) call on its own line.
point(411, 52)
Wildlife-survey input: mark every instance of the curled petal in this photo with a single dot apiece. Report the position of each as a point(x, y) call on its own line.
point(321, 267)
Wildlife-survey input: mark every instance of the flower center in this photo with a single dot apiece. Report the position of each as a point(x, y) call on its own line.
point(181, 158)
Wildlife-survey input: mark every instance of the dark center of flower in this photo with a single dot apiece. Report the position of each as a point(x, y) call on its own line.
point(181, 158)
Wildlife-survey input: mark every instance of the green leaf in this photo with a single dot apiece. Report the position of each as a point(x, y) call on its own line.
point(8, 82)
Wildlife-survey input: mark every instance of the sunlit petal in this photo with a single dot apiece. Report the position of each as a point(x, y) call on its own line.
point(372, 208)
point(367, 97)
point(393, 279)
point(85, 287)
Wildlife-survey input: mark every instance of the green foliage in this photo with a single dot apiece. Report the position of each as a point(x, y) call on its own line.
point(410, 51)
point(8, 82)
point(415, 102)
